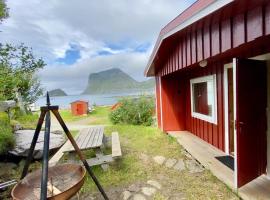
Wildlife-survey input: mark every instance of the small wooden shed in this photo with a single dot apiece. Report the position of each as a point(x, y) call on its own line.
point(79, 107)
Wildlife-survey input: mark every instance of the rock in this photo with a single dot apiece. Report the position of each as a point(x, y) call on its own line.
point(170, 162)
point(154, 184)
point(193, 166)
point(144, 157)
point(180, 165)
point(159, 159)
point(6, 105)
point(126, 195)
point(134, 188)
point(139, 197)
point(24, 138)
point(149, 191)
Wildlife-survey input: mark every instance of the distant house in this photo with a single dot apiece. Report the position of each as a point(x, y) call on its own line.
point(79, 107)
point(212, 70)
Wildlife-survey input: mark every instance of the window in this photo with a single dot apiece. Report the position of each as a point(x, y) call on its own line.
point(203, 98)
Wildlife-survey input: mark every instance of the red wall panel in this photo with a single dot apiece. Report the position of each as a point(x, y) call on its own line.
point(226, 35)
point(238, 30)
point(267, 19)
point(254, 24)
point(158, 102)
point(206, 42)
point(215, 41)
point(188, 50)
point(194, 47)
point(199, 45)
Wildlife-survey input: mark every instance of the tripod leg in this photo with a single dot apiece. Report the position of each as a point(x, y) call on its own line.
point(44, 180)
point(77, 149)
point(33, 144)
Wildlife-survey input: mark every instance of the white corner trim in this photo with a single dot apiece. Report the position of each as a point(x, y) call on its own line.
point(226, 106)
point(197, 16)
point(235, 131)
point(211, 119)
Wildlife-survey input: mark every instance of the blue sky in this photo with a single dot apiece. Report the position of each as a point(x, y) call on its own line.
point(79, 37)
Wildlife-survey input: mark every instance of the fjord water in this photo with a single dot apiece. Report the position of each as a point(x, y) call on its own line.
point(100, 99)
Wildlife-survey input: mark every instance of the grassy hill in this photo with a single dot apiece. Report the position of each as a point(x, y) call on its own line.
point(57, 93)
point(115, 81)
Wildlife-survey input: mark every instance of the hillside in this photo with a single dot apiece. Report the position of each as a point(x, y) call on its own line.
point(115, 81)
point(57, 93)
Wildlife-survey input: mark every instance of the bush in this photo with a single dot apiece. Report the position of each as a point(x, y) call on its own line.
point(136, 111)
point(28, 121)
point(7, 139)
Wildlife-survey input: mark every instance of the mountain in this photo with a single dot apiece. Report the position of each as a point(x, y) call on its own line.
point(115, 81)
point(57, 93)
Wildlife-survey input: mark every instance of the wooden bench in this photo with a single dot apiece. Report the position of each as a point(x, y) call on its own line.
point(93, 138)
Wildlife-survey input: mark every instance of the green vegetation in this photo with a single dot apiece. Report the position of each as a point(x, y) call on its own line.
point(18, 68)
point(115, 81)
point(6, 136)
point(100, 116)
point(137, 111)
point(28, 121)
point(3, 10)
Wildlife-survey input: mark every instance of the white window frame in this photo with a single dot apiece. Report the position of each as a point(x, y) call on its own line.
point(213, 118)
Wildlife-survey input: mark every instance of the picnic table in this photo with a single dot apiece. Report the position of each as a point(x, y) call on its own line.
point(94, 138)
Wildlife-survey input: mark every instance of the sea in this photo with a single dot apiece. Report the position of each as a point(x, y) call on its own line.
point(102, 99)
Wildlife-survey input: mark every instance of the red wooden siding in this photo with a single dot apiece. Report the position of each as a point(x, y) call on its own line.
point(158, 114)
point(173, 101)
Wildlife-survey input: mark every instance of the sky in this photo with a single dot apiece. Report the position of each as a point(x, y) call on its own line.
point(79, 37)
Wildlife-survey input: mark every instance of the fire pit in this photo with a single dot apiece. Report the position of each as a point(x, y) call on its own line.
point(64, 181)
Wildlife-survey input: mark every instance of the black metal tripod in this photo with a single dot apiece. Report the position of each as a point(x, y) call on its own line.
point(45, 112)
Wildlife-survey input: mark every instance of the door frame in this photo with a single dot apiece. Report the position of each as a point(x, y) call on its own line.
point(226, 111)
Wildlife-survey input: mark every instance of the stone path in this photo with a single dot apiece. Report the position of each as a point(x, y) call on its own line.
point(192, 165)
point(141, 193)
point(134, 192)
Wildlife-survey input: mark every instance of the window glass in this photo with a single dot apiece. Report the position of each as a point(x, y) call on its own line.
point(203, 98)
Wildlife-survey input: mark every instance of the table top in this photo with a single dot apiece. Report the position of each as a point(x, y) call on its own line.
point(89, 138)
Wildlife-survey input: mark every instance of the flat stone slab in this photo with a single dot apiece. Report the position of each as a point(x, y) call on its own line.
point(154, 184)
point(180, 165)
point(138, 197)
point(24, 138)
point(148, 191)
point(193, 166)
point(126, 195)
point(134, 188)
point(159, 159)
point(170, 162)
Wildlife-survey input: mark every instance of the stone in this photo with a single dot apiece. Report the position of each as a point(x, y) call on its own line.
point(159, 159)
point(134, 188)
point(180, 165)
point(170, 162)
point(24, 138)
point(193, 166)
point(6, 105)
point(154, 184)
point(126, 195)
point(148, 191)
point(144, 157)
point(139, 197)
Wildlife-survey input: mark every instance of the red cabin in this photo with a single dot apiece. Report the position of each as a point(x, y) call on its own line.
point(79, 107)
point(212, 70)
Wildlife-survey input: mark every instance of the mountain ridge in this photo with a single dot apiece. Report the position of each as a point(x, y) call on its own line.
point(114, 80)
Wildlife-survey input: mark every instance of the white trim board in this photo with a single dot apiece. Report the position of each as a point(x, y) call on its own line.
point(235, 131)
point(211, 119)
point(226, 106)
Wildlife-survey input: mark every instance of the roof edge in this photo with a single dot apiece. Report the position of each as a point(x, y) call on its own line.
point(212, 7)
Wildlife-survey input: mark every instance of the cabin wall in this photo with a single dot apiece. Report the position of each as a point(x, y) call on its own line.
point(173, 100)
point(158, 110)
point(216, 37)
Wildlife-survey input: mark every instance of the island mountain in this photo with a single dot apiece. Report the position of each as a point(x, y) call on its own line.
point(116, 81)
point(57, 93)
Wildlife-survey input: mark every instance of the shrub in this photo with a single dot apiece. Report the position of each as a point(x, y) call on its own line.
point(7, 139)
point(136, 111)
point(28, 121)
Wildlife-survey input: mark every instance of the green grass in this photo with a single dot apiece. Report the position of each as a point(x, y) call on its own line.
point(7, 139)
point(100, 116)
point(68, 117)
point(28, 121)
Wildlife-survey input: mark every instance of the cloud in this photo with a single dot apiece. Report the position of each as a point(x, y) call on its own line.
point(78, 37)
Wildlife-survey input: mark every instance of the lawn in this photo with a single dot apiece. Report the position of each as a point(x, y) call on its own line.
point(139, 145)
